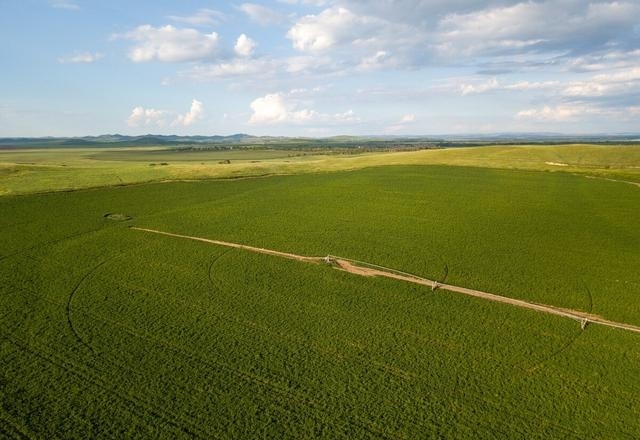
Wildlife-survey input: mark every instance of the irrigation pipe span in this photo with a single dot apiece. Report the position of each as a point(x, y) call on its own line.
point(368, 269)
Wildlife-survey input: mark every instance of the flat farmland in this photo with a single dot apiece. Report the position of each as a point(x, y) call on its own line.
point(107, 331)
point(24, 171)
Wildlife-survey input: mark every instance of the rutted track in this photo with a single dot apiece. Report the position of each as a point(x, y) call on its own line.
point(366, 269)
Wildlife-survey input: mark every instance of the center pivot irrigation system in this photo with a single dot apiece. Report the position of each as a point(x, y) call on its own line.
point(371, 270)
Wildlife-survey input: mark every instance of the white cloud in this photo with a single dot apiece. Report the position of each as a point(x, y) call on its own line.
point(308, 64)
point(405, 122)
point(150, 117)
point(305, 2)
point(348, 116)
point(605, 60)
point(194, 114)
point(466, 89)
point(261, 14)
point(64, 4)
point(541, 26)
point(316, 33)
point(559, 113)
point(516, 27)
point(244, 46)
point(204, 17)
point(274, 108)
point(270, 109)
point(85, 57)
point(141, 116)
point(170, 44)
point(494, 85)
point(377, 61)
point(616, 83)
point(234, 68)
point(308, 92)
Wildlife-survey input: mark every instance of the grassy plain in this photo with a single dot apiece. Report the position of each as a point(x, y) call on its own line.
point(109, 332)
point(32, 170)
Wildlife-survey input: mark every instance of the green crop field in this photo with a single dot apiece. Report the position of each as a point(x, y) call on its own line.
point(111, 332)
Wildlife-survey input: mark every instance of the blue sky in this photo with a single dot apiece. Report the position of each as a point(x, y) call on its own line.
point(318, 67)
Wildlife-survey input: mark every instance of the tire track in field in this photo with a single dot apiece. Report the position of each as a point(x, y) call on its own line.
point(108, 360)
point(70, 300)
point(213, 262)
point(571, 340)
point(274, 386)
point(590, 296)
point(371, 270)
point(305, 399)
point(375, 429)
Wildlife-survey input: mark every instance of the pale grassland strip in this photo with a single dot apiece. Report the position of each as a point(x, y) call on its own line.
point(371, 270)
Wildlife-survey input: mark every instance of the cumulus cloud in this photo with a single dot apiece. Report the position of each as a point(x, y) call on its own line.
point(194, 114)
point(533, 47)
point(169, 44)
point(415, 33)
point(80, 58)
point(336, 25)
point(410, 117)
point(347, 36)
point(244, 46)
point(150, 117)
point(261, 14)
point(274, 108)
point(203, 17)
point(141, 116)
point(64, 4)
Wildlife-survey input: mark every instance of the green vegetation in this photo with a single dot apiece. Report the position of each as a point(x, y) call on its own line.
point(107, 332)
point(43, 170)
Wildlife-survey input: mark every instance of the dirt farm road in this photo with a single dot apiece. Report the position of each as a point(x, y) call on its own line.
point(364, 269)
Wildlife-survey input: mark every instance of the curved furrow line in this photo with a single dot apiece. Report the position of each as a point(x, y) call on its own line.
point(70, 300)
point(213, 262)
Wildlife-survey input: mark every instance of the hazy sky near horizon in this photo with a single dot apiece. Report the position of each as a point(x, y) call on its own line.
point(318, 67)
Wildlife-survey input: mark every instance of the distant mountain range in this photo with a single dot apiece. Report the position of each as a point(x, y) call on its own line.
point(117, 140)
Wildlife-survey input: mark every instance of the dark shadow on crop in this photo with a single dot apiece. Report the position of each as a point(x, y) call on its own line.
point(590, 297)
